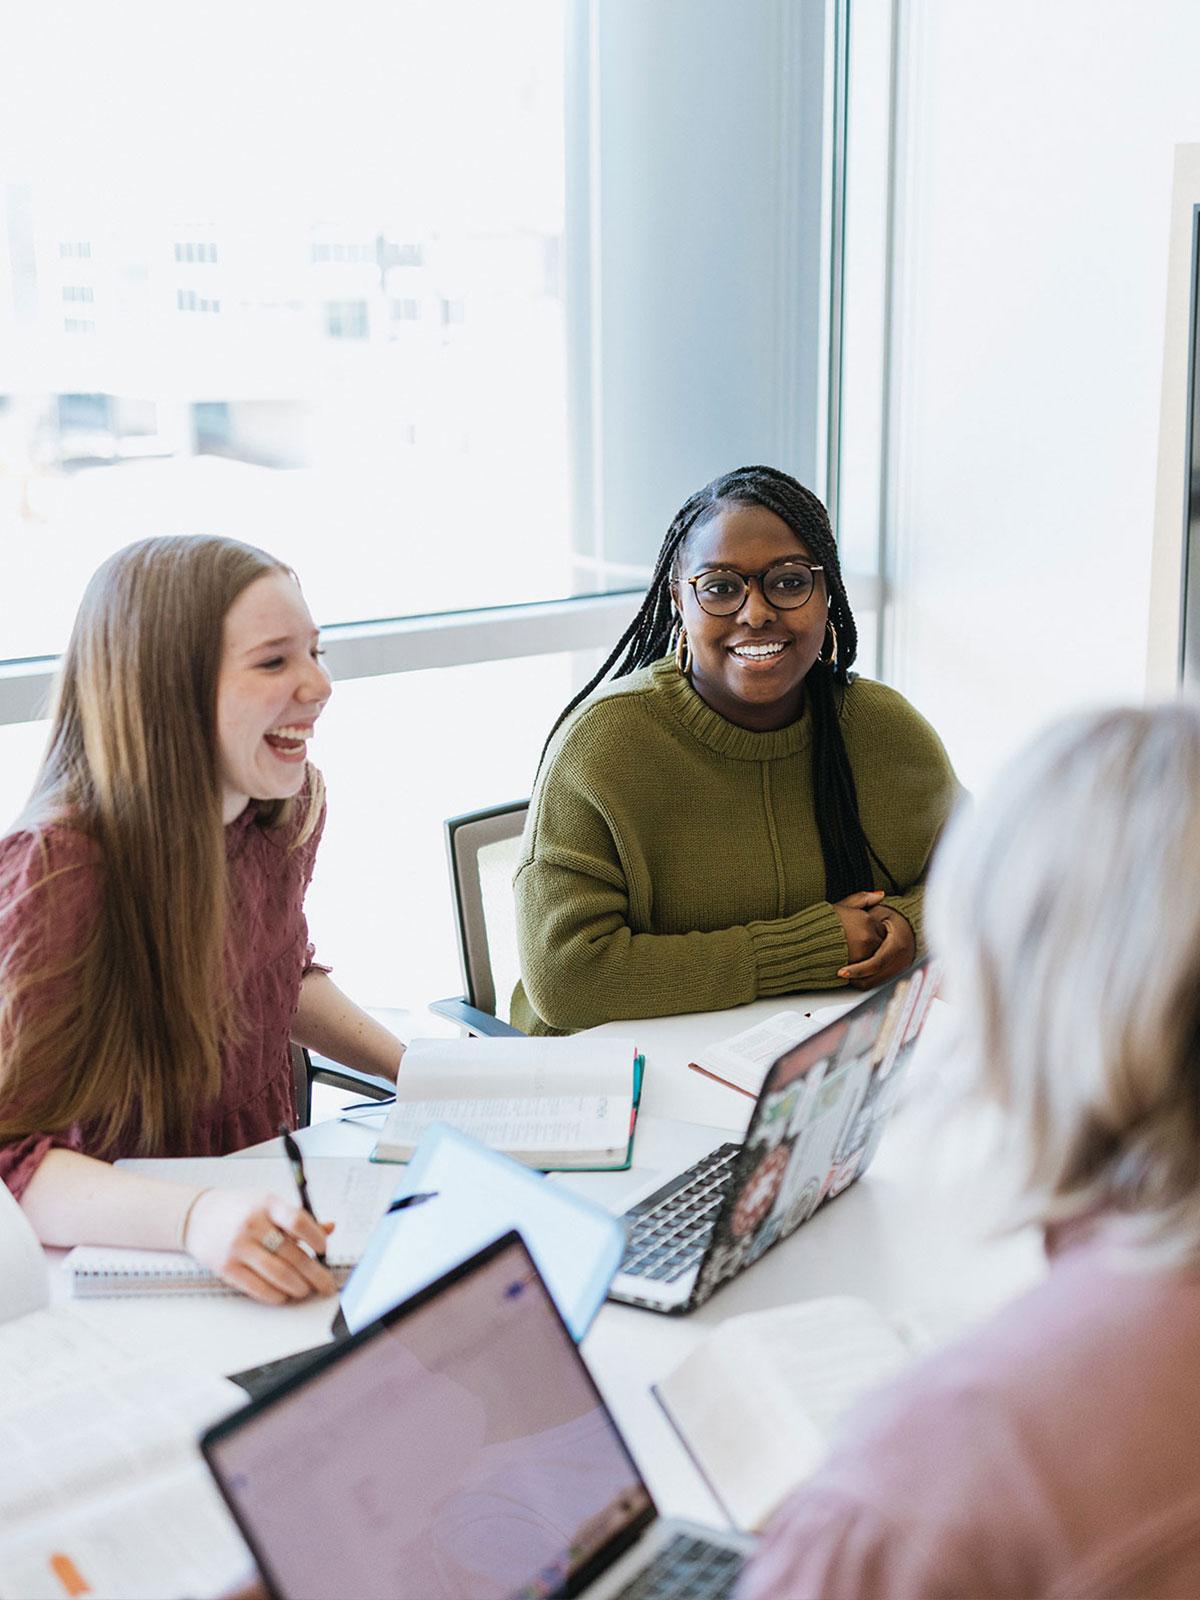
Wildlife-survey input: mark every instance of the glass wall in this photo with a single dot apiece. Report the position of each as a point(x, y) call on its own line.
point(268, 287)
point(1023, 398)
point(450, 305)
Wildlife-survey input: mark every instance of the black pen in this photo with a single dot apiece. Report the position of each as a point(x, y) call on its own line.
point(407, 1200)
point(292, 1150)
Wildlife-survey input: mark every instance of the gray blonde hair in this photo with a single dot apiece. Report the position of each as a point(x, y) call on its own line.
point(1067, 905)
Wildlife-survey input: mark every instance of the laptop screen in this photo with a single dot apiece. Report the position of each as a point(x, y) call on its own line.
point(459, 1448)
point(819, 1118)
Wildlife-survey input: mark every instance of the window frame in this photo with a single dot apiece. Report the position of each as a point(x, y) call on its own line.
point(401, 644)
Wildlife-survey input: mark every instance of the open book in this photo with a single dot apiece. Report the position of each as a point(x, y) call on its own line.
point(557, 1104)
point(744, 1059)
point(102, 1491)
point(758, 1400)
point(344, 1190)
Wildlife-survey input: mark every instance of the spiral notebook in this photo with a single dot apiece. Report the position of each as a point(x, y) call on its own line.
point(351, 1192)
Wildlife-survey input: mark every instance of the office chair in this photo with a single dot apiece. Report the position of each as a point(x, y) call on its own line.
point(309, 1069)
point(483, 848)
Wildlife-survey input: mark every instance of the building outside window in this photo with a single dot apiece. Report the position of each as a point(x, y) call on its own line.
point(194, 251)
point(352, 253)
point(421, 484)
point(347, 319)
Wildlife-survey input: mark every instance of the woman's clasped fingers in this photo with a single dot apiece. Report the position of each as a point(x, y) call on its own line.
point(860, 926)
point(897, 949)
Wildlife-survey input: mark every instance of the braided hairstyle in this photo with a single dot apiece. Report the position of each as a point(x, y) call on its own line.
point(845, 848)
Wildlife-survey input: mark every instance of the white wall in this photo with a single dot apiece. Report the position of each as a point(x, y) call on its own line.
point(1034, 177)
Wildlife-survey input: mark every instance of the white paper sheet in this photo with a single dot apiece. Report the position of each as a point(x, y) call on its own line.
point(24, 1283)
point(169, 1538)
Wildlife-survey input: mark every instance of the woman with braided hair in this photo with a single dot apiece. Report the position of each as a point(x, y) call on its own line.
point(732, 814)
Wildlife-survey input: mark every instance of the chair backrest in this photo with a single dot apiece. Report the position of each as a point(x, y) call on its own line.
point(484, 848)
point(302, 1073)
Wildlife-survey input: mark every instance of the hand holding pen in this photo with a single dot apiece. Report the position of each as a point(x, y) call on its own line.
point(292, 1151)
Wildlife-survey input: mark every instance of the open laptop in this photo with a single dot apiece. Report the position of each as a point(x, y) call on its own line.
point(814, 1130)
point(456, 1446)
point(454, 1196)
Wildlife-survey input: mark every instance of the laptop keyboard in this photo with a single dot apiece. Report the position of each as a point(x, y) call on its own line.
point(686, 1569)
point(670, 1231)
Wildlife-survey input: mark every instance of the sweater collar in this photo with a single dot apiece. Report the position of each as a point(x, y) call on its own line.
point(238, 830)
point(711, 729)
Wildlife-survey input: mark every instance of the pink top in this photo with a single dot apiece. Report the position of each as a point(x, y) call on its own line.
point(1055, 1452)
point(267, 945)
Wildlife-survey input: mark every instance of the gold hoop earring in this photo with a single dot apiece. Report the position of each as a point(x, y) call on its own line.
point(829, 643)
point(683, 653)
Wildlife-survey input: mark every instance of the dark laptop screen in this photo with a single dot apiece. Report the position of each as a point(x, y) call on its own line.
point(460, 1451)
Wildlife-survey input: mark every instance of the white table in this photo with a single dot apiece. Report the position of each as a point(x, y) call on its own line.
point(899, 1238)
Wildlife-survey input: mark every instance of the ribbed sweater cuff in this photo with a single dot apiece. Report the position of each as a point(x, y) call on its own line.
point(803, 951)
point(911, 906)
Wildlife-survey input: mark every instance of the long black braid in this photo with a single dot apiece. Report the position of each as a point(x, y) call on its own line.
point(845, 848)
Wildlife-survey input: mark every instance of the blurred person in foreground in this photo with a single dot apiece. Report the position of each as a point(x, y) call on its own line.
point(1054, 1451)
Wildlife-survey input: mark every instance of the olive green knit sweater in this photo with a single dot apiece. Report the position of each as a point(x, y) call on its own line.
point(671, 860)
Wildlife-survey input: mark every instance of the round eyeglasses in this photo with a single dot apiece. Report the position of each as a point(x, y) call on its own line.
point(785, 586)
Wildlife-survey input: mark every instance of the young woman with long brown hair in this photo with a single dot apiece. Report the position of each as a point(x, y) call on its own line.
point(154, 958)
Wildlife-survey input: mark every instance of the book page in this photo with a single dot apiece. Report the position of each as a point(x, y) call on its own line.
point(744, 1059)
point(24, 1282)
point(757, 1402)
point(121, 1424)
point(171, 1536)
point(45, 1351)
point(547, 1126)
point(476, 1069)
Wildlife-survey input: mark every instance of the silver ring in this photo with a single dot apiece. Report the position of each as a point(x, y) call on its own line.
point(273, 1241)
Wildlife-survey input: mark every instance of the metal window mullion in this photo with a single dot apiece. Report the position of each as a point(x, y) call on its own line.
point(418, 644)
point(405, 644)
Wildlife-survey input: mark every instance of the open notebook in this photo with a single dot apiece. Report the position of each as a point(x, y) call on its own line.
point(759, 1399)
point(554, 1104)
point(350, 1192)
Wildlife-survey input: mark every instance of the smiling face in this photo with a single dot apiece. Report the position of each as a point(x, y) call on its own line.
point(750, 667)
point(271, 690)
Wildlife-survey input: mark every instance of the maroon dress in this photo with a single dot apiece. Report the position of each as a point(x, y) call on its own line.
point(266, 946)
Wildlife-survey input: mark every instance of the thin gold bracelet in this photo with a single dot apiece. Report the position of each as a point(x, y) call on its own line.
point(187, 1217)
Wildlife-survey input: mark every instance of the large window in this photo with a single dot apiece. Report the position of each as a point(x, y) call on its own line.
point(242, 215)
point(450, 306)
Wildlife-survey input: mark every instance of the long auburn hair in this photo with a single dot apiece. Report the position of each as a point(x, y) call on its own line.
point(847, 852)
point(126, 1032)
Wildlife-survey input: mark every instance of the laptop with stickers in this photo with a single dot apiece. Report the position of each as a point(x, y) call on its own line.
point(814, 1131)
